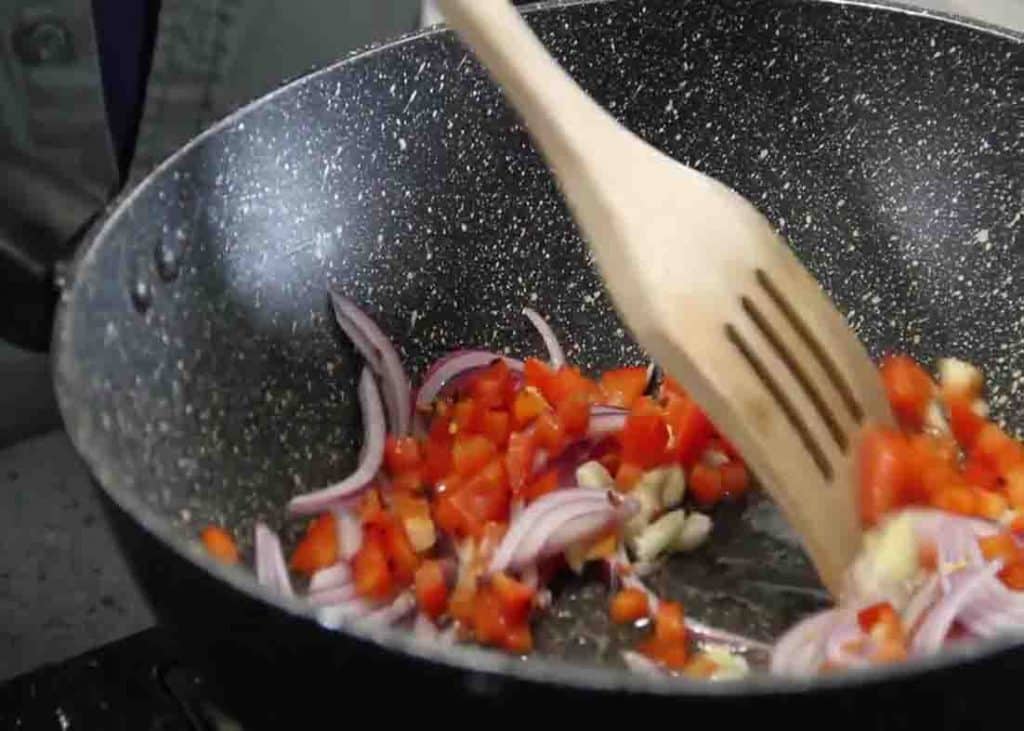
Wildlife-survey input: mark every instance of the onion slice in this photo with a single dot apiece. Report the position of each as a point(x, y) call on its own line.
point(398, 610)
point(373, 455)
point(333, 596)
point(605, 421)
point(271, 570)
point(529, 532)
point(641, 663)
point(964, 585)
point(801, 650)
point(330, 578)
point(556, 356)
point(453, 367)
point(382, 358)
point(350, 532)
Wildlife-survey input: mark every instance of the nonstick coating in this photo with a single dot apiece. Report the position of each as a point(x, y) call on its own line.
point(203, 379)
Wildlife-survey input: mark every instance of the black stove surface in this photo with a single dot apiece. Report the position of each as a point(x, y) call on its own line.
point(134, 684)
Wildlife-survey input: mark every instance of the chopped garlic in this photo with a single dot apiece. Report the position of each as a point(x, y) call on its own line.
point(935, 419)
point(593, 475)
point(648, 493)
point(889, 562)
point(714, 458)
point(420, 530)
point(960, 377)
point(659, 537)
point(673, 488)
point(694, 532)
point(730, 665)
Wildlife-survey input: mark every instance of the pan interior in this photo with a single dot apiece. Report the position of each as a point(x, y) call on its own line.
point(201, 374)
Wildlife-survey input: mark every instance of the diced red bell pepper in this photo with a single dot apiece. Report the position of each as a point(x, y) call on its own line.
point(370, 568)
point(540, 486)
point(493, 387)
point(735, 479)
point(705, 484)
point(883, 465)
point(539, 375)
point(402, 454)
point(623, 386)
point(568, 382)
point(408, 482)
point(629, 605)
point(527, 406)
point(437, 449)
point(496, 427)
point(549, 434)
point(964, 421)
point(627, 476)
point(1000, 450)
point(318, 549)
point(644, 437)
point(219, 544)
point(909, 388)
point(515, 598)
point(979, 472)
point(470, 453)
point(1001, 546)
point(668, 645)
point(1013, 576)
point(956, 499)
point(431, 589)
point(519, 639)
point(882, 612)
point(489, 623)
point(990, 505)
point(691, 430)
point(573, 413)
point(519, 459)
point(482, 498)
point(670, 622)
point(401, 555)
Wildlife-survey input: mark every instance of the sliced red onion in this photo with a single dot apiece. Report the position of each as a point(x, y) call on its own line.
point(641, 663)
point(964, 585)
point(350, 532)
point(330, 578)
point(801, 650)
point(333, 596)
point(271, 569)
point(334, 616)
point(424, 628)
point(398, 610)
point(382, 358)
point(921, 601)
point(373, 455)
point(584, 526)
point(995, 610)
point(527, 536)
point(845, 630)
point(556, 356)
point(453, 367)
point(605, 421)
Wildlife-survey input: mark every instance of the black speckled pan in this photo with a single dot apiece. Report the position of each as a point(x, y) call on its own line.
point(203, 379)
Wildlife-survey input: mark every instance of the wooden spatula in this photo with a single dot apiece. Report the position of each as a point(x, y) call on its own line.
point(707, 287)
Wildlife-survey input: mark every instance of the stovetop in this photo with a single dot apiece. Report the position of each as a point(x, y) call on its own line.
point(134, 684)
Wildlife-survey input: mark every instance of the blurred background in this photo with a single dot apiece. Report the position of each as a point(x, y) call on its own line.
point(93, 94)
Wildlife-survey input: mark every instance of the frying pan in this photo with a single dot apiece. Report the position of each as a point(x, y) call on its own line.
point(202, 378)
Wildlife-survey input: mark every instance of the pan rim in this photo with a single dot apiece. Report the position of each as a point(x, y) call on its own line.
point(463, 658)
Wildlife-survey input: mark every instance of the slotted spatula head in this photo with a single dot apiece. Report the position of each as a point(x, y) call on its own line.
point(708, 288)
